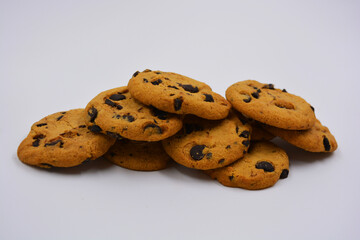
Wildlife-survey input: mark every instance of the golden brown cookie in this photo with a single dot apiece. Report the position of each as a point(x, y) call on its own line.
point(204, 144)
point(261, 167)
point(264, 103)
point(316, 139)
point(62, 140)
point(140, 156)
point(116, 113)
point(178, 94)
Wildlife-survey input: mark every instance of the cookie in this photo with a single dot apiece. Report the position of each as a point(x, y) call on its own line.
point(260, 168)
point(264, 103)
point(140, 156)
point(204, 144)
point(62, 140)
point(178, 94)
point(316, 139)
point(116, 113)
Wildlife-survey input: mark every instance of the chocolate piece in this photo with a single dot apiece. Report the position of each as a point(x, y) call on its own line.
point(156, 82)
point(136, 73)
point(93, 114)
point(57, 119)
point(158, 113)
point(246, 143)
point(54, 143)
point(189, 88)
point(128, 117)
point(196, 152)
point(177, 103)
point(173, 87)
point(255, 95)
point(208, 98)
point(326, 144)
point(110, 103)
point(266, 166)
point(221, 161)
point(245, 134)
point(152, 125)
point(284, 174)
point(117, 97)
point(95, 128)
point(247, 100)
point(114, 135)
point(41, 124)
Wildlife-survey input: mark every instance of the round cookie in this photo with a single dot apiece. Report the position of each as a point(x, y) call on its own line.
point(204, 144)
point(175, 93)
point(62, 140)
point(260, 168)
point(264, 103)
point(140, 156)
point(316, 139)
point(116, 113)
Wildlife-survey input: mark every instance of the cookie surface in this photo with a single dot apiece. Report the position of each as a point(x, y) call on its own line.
point(178, 94)
point(62, 140)
point(264, 103)
point(316, 139)
point(140, 156)
point(260, 168)
point(204, 144)
point(116, 113)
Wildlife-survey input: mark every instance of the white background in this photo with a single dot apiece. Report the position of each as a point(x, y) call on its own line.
point(57, 55)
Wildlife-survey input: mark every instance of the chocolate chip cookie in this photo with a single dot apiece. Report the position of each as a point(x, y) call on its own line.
point(62, 140)
point(140, 156)
point(116, 113)
point(178, 94)
point(261, 167)
point(316, 139)
point(275, 107)
point(204, 144)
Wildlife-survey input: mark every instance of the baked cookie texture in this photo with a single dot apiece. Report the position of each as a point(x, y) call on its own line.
point(62, 140)
point(117, 114)
point(275, 107)
point(316, 139)
point(140, 156)
point(260, 168)
point(178, 94)
point(204, 144)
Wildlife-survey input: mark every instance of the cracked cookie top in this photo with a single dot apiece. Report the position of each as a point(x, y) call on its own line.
point(117, 114)
point(62, 140)
point(178, 94)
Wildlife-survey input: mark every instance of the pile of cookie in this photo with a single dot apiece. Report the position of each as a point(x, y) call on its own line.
point(161, 116)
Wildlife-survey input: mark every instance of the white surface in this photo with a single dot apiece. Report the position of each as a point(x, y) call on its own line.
point(57, 55)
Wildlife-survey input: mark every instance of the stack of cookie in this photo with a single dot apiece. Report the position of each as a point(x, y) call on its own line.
point(161, 116)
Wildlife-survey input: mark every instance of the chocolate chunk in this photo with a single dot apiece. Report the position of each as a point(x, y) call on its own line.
point(156, 82)
point(145, 80)
point(136, 73)
point(284, 174)
point(269, 86)
point(326, 144)
point(266, 166)
point(173, 87)
point(208, 98)
point(128, 117)
point(221, 161)
point(47, 165)
point(228, 147)
point(158, 113)
point(63, 112)
point(231, 177)
point(95, 128)
point(93, 114)
point(82, 126)
point(57, 119)
point(54, 143)
point(246, 143)
point(158, 72)
point(284, 90)
point(114, 135)
point(189, 88)
point(196, 152)
point(41, 124)
point(154, 126)
point(208, 155)
point(117, 97)
point(36, 143)
point(110, 103)
point(247, 100)
point(312, 108)
point(259, 91)
point(255, 95)
point(177, 103)
point(119, 107)
point(245, 134)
